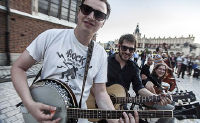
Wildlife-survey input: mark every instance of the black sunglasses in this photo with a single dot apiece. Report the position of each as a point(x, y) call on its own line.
point(86, 10)
point(124, 48)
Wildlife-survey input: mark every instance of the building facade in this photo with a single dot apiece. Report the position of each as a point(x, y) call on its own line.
point(183, 45)
point(21, 21)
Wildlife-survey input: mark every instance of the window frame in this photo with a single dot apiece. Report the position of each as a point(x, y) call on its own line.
point(67, 17)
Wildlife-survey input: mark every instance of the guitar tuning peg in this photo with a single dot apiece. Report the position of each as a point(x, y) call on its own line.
point(186, 91)
point(181, 91)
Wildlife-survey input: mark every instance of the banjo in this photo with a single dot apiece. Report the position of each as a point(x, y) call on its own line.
point(55, 93)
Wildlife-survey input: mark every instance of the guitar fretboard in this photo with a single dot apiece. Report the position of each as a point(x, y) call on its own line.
point(140, 99)
point(122, 100)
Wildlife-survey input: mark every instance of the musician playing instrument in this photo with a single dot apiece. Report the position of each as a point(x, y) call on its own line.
point(64, 52)
point(158, 74)
point(158, 58)
point(122, 70)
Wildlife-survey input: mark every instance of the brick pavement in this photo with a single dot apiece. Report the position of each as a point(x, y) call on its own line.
point(5, 72)
point(9, 113)
point(8, 97)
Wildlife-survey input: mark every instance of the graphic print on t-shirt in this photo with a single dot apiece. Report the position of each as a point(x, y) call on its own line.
point(73, 65)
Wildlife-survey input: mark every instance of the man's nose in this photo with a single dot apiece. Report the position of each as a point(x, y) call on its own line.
point(91, 16)
point(127, 51)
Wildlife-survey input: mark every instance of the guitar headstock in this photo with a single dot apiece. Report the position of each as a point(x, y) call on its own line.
point(191, 111)
point(184, 96)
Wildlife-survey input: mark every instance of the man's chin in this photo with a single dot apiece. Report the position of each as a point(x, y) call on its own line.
point(125, 59)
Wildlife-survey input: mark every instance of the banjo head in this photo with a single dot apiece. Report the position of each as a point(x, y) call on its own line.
point(54, 93)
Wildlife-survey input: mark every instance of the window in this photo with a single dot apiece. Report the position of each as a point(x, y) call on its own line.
point(62, 9)
point(43, 6)
point(54, 8)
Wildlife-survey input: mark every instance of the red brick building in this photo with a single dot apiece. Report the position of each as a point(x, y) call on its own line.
point(21, 21)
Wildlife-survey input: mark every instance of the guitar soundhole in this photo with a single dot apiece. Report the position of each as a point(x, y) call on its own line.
point(96, 105)
point(113, 99)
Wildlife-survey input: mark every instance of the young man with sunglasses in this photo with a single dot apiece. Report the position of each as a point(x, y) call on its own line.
point(122, 70)
point(64, 53)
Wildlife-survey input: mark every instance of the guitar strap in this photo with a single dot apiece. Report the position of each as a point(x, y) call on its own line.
point(37, 76)
point(89, 56)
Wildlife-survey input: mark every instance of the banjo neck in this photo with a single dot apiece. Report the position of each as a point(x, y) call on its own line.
point(114, 114)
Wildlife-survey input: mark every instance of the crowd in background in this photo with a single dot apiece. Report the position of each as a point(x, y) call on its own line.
point(181, 64)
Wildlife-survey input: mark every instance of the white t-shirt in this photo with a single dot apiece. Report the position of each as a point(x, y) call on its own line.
point(64, 58)
point(179, 60)
point(185, 61)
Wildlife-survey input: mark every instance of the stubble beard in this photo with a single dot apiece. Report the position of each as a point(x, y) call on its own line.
point(122, 57)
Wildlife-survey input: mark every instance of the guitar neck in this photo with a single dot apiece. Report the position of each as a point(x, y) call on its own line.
point(123, 100)
point(114, 114)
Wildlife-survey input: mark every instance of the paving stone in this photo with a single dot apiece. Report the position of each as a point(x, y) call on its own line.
point(11, 119)
point(19, 121)
point(2, 116)
point(2, 121)
point(7, 109)
point(4, 105)
point(12, 113)
point(19, 116)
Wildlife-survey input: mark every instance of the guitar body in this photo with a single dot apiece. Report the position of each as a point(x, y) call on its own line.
point(171, 81)
point(54, 93)
point(114, 91)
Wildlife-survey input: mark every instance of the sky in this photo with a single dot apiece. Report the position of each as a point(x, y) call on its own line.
point(164, 18)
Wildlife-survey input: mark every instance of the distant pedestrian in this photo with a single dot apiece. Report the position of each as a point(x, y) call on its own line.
point(196, 67)
point(173, 61)
point(135, 56)
point(183, 67)
point(111, 52)
point(179, 61)
point(143, 58)
point(190, 64)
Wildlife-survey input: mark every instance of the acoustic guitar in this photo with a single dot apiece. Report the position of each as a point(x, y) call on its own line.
point(55, 93)
point(118, 96)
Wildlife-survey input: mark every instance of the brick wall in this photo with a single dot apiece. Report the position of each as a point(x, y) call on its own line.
point(20, 5)
point(24, 30)
point(2, 31)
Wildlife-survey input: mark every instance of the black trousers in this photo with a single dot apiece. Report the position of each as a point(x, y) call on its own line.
point(182, 71)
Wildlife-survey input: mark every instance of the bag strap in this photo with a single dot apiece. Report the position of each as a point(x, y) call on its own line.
point(37, 76)
point(89, 56)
